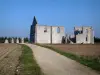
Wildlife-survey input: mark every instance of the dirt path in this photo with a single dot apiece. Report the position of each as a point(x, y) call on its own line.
point(53, 63)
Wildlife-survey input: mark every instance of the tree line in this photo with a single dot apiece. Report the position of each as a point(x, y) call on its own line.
point(2, 39)
point(96, 39)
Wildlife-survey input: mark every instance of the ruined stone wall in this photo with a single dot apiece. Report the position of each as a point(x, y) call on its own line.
point(77, 28)
point(49, 36)
point(57, 35)
point(87, 33)
point(43, 36)
point(81, 38)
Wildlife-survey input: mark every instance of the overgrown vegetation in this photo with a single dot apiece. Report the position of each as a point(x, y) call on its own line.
point(91, 62)
point(28, 65)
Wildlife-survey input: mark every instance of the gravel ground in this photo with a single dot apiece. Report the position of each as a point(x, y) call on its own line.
point(53, 63)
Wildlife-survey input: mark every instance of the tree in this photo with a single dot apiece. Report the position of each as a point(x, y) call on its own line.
point(9, 39)
point(26, 40)
point(15, 38)
point(2, 39)
point(20, 40)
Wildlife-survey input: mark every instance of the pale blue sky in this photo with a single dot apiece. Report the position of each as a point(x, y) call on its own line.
point(16, 15)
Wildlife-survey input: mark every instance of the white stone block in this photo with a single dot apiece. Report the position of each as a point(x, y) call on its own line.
point(12, 40)
point(17, 40)
point(6, 41)
point(22, 40)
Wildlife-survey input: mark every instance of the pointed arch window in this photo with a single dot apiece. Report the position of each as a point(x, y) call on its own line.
point(58, 30)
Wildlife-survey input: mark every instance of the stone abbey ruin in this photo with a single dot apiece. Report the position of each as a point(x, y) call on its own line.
point(56, 34)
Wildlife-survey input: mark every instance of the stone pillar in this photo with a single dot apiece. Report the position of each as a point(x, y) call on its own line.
point(17, 40)
point(6, 41)
point(22, 40)
point(12, 40)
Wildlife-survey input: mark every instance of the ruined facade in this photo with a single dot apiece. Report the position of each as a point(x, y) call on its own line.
point(56, 34)
point(46, 34)
point(84, 35)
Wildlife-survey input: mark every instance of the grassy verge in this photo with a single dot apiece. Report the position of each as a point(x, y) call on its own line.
point(91, 62)
point(28, 65)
